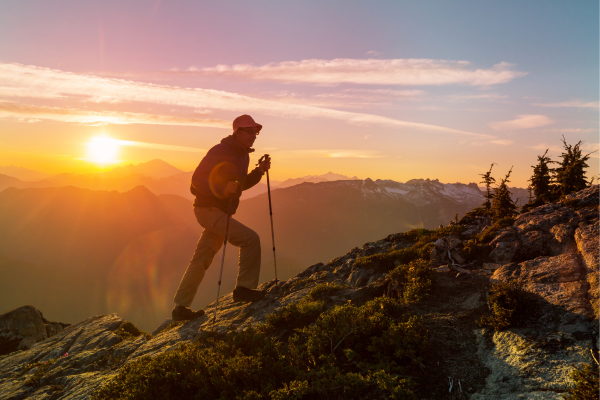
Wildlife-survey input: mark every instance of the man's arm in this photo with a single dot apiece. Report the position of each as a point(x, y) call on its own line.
point(252, 178)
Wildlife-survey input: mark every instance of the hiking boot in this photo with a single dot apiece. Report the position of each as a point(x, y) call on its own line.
point(241, 293)
point(181, 313)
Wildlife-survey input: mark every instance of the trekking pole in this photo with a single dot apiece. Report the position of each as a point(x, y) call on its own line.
point(271, 214)
point(222, 260)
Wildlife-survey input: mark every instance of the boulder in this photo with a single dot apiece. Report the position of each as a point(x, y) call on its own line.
point(587, 241)
point(20, 329)
point(559, 280)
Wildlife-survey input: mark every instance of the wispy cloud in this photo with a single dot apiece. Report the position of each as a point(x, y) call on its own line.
point(29, 113)
point(569, 130)
point(478, 97)
point(369, 71)
point(35, 82)
point(158, 146)
point(521, 122)
point(332, 153)
point(502, 142)
point(373, 53)
point(575, 103)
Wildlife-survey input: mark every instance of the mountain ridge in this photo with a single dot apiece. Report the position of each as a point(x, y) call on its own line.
point(555, 247)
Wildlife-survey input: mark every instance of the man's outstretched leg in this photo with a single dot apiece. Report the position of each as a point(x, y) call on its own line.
point(209, 244)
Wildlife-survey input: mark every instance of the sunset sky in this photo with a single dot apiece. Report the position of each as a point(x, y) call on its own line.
point(380, 89)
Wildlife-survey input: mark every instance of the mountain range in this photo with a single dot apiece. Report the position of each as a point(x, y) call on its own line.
point(518, 318)
point(127, 251)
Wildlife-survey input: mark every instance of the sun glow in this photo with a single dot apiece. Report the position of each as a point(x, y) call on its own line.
point(103, 150)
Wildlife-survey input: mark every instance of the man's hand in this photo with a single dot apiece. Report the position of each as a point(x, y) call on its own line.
point(265, 165)
point(230, 188)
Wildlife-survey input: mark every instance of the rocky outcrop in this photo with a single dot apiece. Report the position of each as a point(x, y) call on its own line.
point(21, 328)
point(551, 251)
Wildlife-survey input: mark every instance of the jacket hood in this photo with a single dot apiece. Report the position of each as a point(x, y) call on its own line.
point(230, 141)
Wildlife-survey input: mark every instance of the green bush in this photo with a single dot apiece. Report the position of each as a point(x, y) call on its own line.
point(349, 352)
point(473, 250)
point(129, 331)
point(300, 314)
point(413, 280)
point(507, 304)
point(490, 233)
point(293, 316)
point(586, 383)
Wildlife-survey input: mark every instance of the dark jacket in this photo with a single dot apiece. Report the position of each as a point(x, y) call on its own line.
point(225, 162)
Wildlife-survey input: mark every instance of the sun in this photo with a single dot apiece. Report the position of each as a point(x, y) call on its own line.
point(103, 150)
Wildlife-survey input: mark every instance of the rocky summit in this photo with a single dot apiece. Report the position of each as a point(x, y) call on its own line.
point(549, 255)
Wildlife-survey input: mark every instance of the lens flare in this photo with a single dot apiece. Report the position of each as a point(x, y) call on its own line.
point(103, 150)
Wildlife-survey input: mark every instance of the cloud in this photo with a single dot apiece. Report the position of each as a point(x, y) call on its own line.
point(158, 146)
point(521, 122)
point(35, 82)
point(502, 142)
point(369, 72)
point(575, 103)
point(569, 130)
point(23, 112)
point(332, 153)
point(484, 97)
point(373, 53)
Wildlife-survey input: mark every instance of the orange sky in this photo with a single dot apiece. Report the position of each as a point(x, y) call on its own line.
point(386, 92)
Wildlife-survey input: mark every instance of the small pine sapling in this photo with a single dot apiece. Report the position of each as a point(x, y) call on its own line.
point(503, 205)
point(541, 180)
point(488, 180)
point(570, 175)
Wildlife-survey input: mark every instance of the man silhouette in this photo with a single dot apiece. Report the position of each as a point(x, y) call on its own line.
point(217, 183)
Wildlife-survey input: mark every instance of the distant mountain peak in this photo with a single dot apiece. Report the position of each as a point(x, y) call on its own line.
point(328, 177)
point(153, 169)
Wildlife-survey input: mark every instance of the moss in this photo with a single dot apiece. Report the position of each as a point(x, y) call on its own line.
point(411, 281)
point(41, 367)
point(128, 331)
point(507, 303)
point(586, 383)
point(348, 352)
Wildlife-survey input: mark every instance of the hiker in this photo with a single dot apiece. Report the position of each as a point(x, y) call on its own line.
point(217, 183)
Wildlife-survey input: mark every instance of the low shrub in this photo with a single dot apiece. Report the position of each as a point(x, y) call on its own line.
point(490, 233)
point(507, 304)
point(300, 314)
point(411, 281)
point(41, 367)
point(385, 261)
point(349, 352)
point(128, 331)
point(586, 383)
point(473, 250)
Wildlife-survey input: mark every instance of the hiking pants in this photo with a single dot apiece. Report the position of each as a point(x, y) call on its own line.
point(214, 222)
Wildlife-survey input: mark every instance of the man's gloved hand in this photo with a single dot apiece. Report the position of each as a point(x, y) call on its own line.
point(265, 165)
point(230, 188)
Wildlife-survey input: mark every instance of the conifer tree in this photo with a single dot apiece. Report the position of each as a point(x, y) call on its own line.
point(488, 180)
point(503, 205)
point(570, 176)
point(541, 180)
